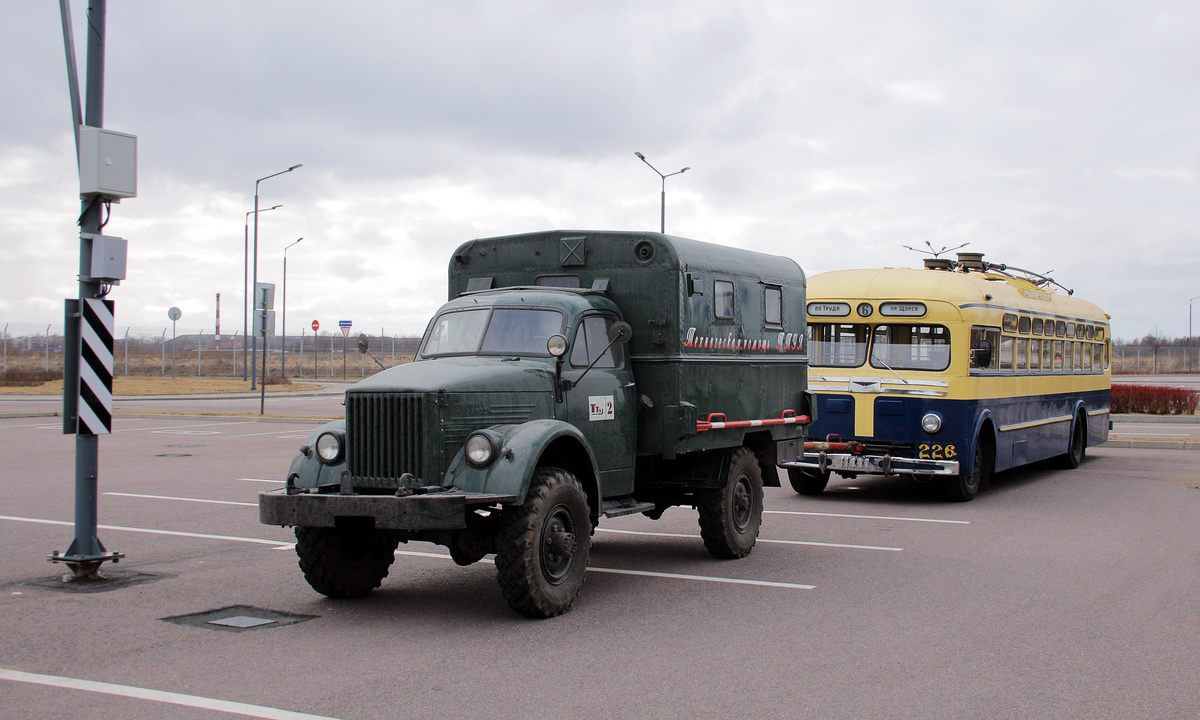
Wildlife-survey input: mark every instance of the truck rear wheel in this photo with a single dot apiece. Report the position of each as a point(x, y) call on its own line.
point(345, 562)
point(730, 516)
point(543, 545)
point(808, 482)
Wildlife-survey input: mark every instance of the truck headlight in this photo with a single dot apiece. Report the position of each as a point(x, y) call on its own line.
point(480, 449)
point(931, 422)
point(329, 447)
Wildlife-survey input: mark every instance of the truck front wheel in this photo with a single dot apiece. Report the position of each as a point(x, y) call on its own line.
point(731, 515)
point(345, 562)
point(543, 545)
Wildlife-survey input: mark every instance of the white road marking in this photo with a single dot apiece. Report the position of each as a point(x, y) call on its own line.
point(182, 499)
point(866, 517)
point(185, 427)
point(643, 573)
point(151, 531)
point(261, 480)
point(161, 696)
point(761, 540)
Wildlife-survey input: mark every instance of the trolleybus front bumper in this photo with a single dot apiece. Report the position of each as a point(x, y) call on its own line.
point(878, 464)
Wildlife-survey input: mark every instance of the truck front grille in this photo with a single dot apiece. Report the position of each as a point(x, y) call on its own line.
point(383, 436)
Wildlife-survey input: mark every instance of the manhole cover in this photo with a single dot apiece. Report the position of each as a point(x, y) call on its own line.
point(238, 618)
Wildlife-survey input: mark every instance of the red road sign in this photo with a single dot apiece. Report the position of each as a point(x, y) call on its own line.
point(316, 325)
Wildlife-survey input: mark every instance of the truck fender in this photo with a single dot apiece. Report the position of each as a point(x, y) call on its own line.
point(307, 471)
point(520, 450)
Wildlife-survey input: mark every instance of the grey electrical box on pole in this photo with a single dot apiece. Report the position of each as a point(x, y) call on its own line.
point(107, 163)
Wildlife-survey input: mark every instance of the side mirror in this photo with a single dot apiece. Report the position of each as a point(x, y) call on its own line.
point(620, 332)
point(981, 356)
point(362, 344)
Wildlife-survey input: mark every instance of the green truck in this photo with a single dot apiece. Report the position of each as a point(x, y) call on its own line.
point(571, 375)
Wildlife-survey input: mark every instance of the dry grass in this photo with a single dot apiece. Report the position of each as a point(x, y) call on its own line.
point(165, 386)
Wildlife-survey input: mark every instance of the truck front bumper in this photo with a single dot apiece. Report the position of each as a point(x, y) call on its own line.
point(880, 464)
point(432, 511)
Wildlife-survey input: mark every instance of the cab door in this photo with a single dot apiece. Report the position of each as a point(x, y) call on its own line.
point(601, 401)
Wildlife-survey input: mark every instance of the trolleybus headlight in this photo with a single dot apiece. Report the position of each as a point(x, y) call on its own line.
point(931, 422)
point(480, 449)
point(329, 447)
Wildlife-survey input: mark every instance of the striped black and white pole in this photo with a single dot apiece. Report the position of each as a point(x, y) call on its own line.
point(96, 367)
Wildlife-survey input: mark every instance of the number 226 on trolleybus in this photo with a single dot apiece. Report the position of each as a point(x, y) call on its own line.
point(950, 373)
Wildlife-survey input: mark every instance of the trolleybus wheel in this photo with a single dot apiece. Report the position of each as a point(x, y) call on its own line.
point(964, 487)
point(808, 482)
point(1078, 447)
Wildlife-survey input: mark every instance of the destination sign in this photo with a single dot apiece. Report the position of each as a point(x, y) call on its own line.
point(828, 309)
point(902, 309)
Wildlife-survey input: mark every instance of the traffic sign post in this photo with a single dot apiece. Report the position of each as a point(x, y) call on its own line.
point(345, 328)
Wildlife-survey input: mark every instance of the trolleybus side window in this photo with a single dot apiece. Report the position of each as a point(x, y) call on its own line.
point(911, 347)
point(837, 344)
point(985, 347)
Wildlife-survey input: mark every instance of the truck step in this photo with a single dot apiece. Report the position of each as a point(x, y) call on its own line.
point(625, 506)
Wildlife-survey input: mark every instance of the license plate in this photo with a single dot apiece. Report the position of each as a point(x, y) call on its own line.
point(855, 462)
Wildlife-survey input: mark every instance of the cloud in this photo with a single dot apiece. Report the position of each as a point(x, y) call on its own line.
point(1056, 137)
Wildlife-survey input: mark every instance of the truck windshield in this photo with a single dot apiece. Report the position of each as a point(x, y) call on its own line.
point(493, 331)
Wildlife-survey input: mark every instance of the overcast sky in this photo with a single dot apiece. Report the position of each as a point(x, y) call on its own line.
point(1057, 136)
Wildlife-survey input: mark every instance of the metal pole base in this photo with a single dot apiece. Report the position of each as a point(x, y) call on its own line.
point(84, 567)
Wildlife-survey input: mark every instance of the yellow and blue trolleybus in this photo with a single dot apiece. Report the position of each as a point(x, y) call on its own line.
point(950, 372)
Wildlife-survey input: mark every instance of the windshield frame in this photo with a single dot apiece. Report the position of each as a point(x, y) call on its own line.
point(478, 344)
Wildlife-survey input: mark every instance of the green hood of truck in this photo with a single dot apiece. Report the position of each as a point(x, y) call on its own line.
point(463, 375)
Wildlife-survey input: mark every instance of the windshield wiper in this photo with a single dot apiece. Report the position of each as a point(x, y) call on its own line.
point(889, 368)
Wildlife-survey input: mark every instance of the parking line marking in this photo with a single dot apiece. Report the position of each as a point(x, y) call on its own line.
point(160, 696)
point(276, 545)
point(761, 540)
point(151, 531)
point(643, 573)
point(608, 530)
point(704, 578)
point(867, 517)
point(181, 499)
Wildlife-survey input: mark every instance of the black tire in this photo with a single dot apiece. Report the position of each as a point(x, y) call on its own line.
point(808, 482)
point(730, 516)
point(345, 562)
point(543, 545)
point(1077, 448)
point(962, 487)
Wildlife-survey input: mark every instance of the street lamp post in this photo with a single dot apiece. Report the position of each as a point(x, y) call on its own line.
point(283, 350)
point(662, 227)
point(1190, 348)
point(254, 344)
point(246, 295)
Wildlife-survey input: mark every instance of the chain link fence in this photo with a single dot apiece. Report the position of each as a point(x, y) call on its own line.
point(145, 351)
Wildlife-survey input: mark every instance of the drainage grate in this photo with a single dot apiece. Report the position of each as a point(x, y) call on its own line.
point(174, 455)
point(239, 617)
